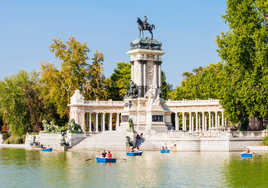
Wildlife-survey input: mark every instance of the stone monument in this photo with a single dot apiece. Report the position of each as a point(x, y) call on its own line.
point(143, 102)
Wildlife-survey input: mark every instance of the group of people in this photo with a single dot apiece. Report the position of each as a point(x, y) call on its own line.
point(133, 150)
point(164, 148)
point(109, 155)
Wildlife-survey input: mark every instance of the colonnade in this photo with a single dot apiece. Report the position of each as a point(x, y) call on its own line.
point(93, 126)
point(200, 121)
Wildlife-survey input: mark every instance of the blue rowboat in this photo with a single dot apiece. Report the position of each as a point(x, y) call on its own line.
point(246, 155)
point(164, 151)
point(48, 149)
point(105, 160)
point(135, 153)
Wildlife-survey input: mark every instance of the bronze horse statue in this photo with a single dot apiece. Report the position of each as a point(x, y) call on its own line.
point(145, 26)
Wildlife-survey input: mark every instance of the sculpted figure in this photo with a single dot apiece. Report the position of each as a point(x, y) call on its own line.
point(130, 124)
point(74, 126)
point(132, 91)
point(145, 26)
point(153, 95)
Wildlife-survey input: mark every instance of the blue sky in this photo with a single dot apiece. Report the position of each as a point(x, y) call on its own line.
point(186, 29)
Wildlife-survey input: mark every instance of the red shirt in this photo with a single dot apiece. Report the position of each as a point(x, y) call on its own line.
point(109, 155)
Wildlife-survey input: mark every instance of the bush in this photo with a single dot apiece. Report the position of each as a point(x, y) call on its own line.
point(6, 136)
point(265, 141)
point(15, 140)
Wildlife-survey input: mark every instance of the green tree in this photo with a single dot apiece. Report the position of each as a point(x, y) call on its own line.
point(205, 83)
point(117, 84)
point(20, 102)
point(166, 88)
point(75, 73)
point(244, 52)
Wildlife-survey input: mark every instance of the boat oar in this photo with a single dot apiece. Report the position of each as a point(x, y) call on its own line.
point(175, 151)
point(89, 159)
point(121, 158)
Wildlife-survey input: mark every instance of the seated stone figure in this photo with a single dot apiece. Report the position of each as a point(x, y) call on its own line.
point(52, 128)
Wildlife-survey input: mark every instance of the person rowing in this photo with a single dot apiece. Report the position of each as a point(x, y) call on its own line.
point(103, 153)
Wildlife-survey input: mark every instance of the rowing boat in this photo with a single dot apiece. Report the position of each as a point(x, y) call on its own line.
point(135, 153)
point(164, 151)
point(246, 155)
point(47, 149)
point(105, 160)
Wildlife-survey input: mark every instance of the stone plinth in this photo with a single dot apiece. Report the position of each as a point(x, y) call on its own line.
point(63, 148)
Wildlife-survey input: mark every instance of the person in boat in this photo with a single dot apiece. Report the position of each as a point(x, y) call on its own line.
point(132, 150)
point(137, 148)
point(248, 151)
point(47, 147)
point(166, 148)
point(109, 155)
point(163, 148)
point(103, 153)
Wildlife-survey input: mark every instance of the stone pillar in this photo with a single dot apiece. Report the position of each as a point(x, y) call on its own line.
point(203, 121)
point(132, 70)
point(199, 123)
point(144, 77)
point(209, 120)
point(103, 122)
point(159, 74)
point(140, 87)
point(190, 121)
point(218, 118)
point(90, 124)
point(206, 127)
point(155, 73)
point(222, 118)
point(97, 122)
point(226, 122)
point(110, 122)
point(192, 117)
point(177, 126)
point(117, 121)
point(196, 121)
point(183, 120)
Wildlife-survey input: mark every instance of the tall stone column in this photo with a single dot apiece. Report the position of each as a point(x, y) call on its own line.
point(192, 117)
point(89, 122)
point(103, 122)
point(203, 121)
point(209, 120)
point(226, 122)
point(97, 122)
point(222, 118)
point(216, 119)
point(144, 77)
point(117, 121)
point(196, 121)
point(190, 121)
point(159, 74)
point(155, 73)
point(177, 127)
point(183, 121)
point(110, 121)
point(206, 127)
point(132, 70)
point(140, 87)
point(199, 123)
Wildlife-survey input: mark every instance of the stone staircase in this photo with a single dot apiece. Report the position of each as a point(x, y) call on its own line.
point(108, 140)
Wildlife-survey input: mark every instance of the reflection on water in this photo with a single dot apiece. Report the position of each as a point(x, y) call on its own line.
point(25, 168)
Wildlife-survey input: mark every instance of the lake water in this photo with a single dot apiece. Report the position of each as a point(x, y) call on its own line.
point(26, 168)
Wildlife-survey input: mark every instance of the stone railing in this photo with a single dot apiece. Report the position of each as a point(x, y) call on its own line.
point(208, 134)
point(104, 103)
point(185, 102)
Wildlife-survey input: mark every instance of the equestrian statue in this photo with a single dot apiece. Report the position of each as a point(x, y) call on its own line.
point(145, 26)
